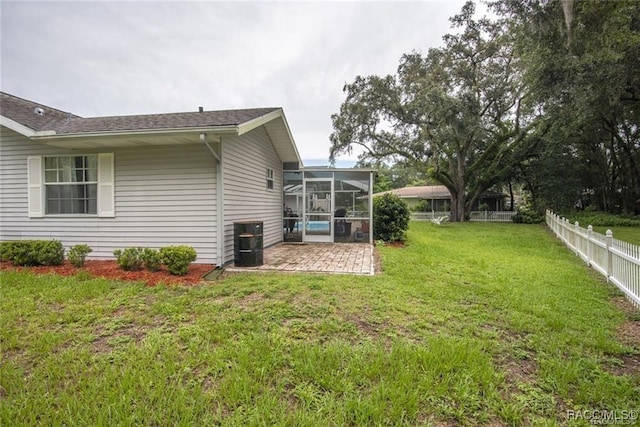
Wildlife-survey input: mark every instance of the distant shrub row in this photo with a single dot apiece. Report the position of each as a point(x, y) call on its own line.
point(601, 219)
point(527, 215)
point(176, 258)
point(51, 252)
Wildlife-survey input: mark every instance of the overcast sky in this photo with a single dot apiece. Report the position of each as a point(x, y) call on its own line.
point(120, 58)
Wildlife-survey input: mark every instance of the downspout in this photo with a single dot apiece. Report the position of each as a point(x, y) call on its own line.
point(219, 199)
point(203, 138)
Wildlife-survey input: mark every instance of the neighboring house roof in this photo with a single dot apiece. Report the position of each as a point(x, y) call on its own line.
point(420, 192)
point(64, 129)
point(428, 192)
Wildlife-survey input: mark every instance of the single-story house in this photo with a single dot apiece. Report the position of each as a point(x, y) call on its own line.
point(145, 180)
point(439, 198)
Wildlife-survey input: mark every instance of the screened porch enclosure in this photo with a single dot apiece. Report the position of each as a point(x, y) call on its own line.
point(327, 205)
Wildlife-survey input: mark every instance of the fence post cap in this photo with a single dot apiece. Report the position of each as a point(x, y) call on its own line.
point(609, 233)
point(577, 224)
point(590, 227)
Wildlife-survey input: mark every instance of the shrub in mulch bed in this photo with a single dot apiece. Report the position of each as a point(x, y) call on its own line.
point(109, 269)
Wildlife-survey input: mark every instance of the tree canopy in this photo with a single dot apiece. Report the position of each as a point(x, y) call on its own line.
point(545, 95)
point(458, 112)
point(582, 63)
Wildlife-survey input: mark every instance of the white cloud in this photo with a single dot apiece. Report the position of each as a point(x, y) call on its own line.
point(113, 58)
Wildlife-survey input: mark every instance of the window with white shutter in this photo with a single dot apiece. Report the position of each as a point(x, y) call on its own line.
point(71, 185)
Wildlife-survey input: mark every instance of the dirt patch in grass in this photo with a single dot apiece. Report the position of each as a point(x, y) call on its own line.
point(631, 311)
point(105, 344)
point(629, 364)
point(250, 300)
point(519, 370)
point(378, 331)
point(518, 363)
point(629, 333)
point(377, 262)
point(109, 270)
point(106, 340)
point(363, 326)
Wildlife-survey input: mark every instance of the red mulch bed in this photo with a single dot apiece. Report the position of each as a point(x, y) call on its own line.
point(110, 270)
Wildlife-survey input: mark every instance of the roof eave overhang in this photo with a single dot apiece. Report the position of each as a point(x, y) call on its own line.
point(169, 136)
point(22, 129)
point(259, 121)
point(285, 146)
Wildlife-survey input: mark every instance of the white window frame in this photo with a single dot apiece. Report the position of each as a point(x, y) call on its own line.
point(271, 180)
point(59, 183)
point(36, 186)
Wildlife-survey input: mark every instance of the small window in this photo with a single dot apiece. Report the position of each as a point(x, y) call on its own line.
point(270, 180)
point(71, 185)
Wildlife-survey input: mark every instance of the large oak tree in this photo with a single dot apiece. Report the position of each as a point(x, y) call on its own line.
point(457, 112)
point(582, 63)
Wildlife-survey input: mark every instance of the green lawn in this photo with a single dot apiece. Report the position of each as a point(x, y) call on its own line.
point(469, 324)
point(628, 234)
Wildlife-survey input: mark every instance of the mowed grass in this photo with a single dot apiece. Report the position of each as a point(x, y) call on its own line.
point(628, 234)
point(469, 324)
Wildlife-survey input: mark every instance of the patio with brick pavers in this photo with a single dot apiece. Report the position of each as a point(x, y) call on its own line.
point(336, 258)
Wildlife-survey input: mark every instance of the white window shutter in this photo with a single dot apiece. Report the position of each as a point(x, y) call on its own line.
point(34, 178)
point(106, 186)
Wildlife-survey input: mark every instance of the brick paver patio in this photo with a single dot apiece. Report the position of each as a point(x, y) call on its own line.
point(340, 258)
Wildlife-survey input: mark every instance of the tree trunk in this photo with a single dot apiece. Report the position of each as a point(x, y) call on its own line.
point(457, 207)
point(461, 185)
point(511, 198)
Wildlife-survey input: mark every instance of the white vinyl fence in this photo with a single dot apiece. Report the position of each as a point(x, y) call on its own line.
point(615, 259)
point(484, 216)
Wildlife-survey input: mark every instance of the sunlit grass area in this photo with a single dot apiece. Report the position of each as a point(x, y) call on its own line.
point(628, 234)
point(468, 324)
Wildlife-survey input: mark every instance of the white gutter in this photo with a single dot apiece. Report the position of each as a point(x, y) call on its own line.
point(217, 130)
point(220, 203)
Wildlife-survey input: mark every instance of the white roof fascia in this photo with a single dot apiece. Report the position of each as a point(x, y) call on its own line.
point(258, 121)
point(262, 120)
point(295, 147)
point(22, 129)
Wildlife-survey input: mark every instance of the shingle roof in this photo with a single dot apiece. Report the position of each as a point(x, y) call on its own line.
point(23, 112)
point(160, 121)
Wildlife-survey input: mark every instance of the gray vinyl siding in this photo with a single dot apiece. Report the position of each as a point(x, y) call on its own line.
point(164, 195)
point(246, 198)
